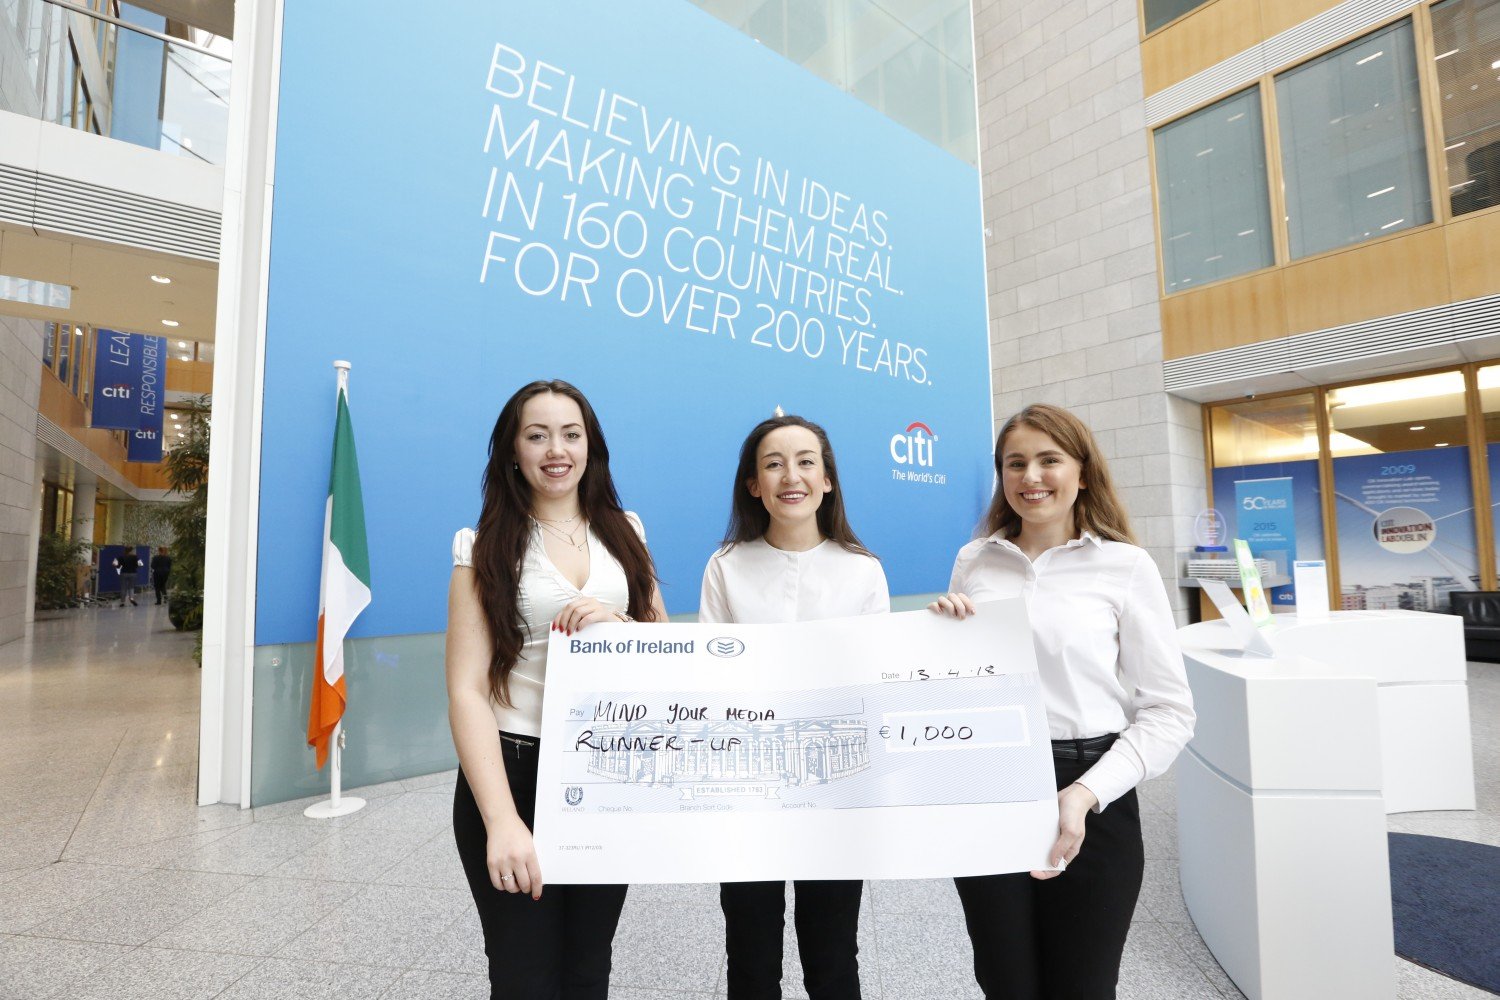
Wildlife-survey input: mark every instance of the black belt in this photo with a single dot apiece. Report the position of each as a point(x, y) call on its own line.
point(1090, 749)
point(520, 744)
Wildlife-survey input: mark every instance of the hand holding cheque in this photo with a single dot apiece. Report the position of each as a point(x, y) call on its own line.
point(893, 746)
point(1073, 802)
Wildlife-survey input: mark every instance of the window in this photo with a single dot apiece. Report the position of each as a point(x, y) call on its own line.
point(1352, 143)
point(1466, 43)
point(1403, 492)
point(1162, 12)
point(1211, 184)
point(1265, 481)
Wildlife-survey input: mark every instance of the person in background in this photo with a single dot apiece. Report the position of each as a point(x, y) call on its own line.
point(1118, 706)
point(161, 569)
point(553, 551)
point(789, 555)
point(129, 565)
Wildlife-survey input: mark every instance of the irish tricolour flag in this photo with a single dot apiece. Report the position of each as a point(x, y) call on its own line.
point(345, 590)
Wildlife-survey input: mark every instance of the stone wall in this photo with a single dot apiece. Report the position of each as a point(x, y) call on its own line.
point(20, 386)
point(1074, 300)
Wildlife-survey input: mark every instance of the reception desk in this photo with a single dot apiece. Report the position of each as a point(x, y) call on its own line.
point(1417, 662)
point(1282, 793)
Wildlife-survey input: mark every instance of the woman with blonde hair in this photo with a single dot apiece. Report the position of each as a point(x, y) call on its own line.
point(1118, 706)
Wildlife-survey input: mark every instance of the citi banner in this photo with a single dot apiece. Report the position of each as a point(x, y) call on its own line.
point(644, 201)
point(1266, 509)
point(117, 379)
point(145, 439)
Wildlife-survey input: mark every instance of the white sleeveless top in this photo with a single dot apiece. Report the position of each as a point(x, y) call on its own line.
point(544, 592)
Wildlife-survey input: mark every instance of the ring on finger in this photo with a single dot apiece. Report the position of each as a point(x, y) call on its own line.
point(506, 878)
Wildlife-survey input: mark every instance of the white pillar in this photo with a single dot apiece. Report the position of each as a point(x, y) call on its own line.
point(84, 494)
point(35, 539)
point(234, 450)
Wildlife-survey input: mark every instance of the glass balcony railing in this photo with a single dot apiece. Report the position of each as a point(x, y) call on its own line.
point(68, 64)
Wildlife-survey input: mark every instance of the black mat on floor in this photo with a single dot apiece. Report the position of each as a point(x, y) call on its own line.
point(1445, 899)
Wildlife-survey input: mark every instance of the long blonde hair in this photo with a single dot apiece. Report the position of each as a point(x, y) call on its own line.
point(1097, 509)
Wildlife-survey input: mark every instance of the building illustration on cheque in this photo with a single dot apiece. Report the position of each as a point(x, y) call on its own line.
point(791, 753)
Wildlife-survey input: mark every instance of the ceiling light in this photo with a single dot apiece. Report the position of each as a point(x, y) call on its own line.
point(170, 322)
point(182, 343)
point(1444, 55)
point(1244, 232)
point(161, 279)
point(1441, 444)
point(1418, 427)
point(186, 357)
point(1495, 64)
point(1395, 223)
point(1454, 146)
point(1384, 190)
point(1366, 59)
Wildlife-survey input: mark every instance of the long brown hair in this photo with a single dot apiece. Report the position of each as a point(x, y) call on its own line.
point(1097, 508)
point(504, 530)
point(748, 517)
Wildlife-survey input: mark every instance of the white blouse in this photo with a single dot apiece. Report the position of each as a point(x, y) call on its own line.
point(755, 582)
point(1106, 647)
point(544, 592)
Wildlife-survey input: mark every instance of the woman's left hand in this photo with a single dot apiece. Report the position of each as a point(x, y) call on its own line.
point(580, 612)
point(1073, 805)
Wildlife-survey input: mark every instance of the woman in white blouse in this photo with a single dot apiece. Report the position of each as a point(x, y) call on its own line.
point(789, 555)
point(1117, 699)
point(554, 551)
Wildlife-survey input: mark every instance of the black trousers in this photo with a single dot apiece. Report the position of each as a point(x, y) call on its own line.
point(826, 915)
point(1060, 938)
point(159, 583)
point(555, 948)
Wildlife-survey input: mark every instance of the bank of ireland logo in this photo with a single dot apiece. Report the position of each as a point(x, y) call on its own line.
point(574, 794)
point(726, 646)
point(913, 446)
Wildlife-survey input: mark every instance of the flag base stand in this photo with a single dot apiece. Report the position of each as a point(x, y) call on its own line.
point(338, 804)
point(328, 810)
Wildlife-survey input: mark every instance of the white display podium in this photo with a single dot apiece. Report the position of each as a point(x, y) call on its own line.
point(1281, 827)
point(1283, 791)
point(1418, 663)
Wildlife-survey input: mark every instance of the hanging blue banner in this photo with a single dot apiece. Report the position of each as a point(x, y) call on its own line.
point(117, 380)
point(146, 433)
point(1267, 520)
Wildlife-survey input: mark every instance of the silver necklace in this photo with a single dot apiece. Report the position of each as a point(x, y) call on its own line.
point(566, 536)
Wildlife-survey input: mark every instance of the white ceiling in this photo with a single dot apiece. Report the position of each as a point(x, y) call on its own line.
point(112, 285)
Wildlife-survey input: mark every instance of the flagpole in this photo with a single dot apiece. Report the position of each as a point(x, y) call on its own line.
point(337, 804)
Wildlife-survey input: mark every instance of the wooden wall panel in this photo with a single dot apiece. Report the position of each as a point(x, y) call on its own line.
point(196, 377)
point(1277, 16)
point(1378, 279)
point(1208, 35)
point(1228, 314)
point(1474, 256)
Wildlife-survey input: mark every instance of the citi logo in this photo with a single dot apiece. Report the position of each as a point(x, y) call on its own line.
point(145, 435)
point(115, 391)
point(1263, 503)
point(913, 446)
point(727, 646)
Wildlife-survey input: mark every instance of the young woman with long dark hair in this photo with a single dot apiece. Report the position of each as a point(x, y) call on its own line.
point(789, 555)
point(554, 550)
point(1118, 706)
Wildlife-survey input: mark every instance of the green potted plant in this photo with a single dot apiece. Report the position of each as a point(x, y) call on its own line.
point(187, 471)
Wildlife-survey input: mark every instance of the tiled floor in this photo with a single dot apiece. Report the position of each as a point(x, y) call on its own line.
point(114, 885)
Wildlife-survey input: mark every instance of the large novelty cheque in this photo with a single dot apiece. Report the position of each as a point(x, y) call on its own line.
point(891, 746)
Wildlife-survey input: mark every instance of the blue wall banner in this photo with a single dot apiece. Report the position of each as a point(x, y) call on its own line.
point(117, 380)
point(145, 440)
point(683, 223)
point(1406, 528)
point(1267, 521)
point(1301, 521)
